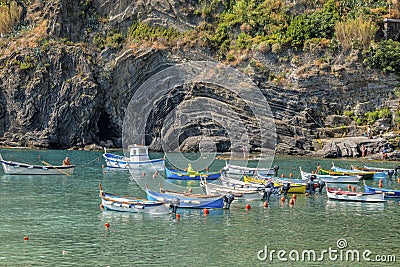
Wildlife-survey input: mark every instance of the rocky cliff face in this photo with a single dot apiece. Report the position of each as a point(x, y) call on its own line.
point(57, 90)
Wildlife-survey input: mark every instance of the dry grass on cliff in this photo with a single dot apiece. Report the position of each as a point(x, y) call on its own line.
point(9, 17)
point(30, 39)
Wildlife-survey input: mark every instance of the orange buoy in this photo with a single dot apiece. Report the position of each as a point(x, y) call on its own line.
point(294, 196)
point(380, 181)
point(282, 175)
point(290, 175)
point(101, 206)
point(380, 185)
point(398, 180)
point(283, 199)
point(353, 189)
point(265, 204)
point(107, 225)
point(248, 206)
point(143, 174)
point(177, 216)
point(349, 186)
point(206, 211)
point(26, 238)
point(291, 201)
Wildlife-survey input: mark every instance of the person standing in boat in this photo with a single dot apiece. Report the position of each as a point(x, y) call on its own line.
point(66, 162)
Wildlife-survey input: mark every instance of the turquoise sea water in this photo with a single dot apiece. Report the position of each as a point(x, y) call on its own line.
point(61, 217)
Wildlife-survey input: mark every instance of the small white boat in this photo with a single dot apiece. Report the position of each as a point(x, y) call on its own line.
point(11, 167)
point(348, 179)
point(339, 194)
point(138, 159)
point(231, 169)
point(129, 204)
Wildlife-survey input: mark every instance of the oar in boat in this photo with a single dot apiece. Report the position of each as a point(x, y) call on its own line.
point(48, 164)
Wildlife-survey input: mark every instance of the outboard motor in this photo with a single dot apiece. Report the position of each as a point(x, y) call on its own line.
point(310, 186)
point(276, 168)
point(228, 198)
point(269, 185)
point(267, 193)
point(285, 188)
point(395, 170)
point(321, 185)
point(175, 202)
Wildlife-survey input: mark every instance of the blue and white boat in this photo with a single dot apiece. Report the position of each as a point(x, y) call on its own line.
point(129, 204)
point(188, 199)
point(327, 178)
point(379, 173)
point(389, 193)
point(138, 159)
point(190, 174)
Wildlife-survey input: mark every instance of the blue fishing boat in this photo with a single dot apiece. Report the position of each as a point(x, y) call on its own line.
point(138, 159)
point(389, 193)
point(189, 199)
point(190, 174)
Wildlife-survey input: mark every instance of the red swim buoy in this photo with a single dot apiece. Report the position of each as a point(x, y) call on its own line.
point(291, 175)
point(26, 238)
point(266, 204)
point(206, 211)
point(283, 199)
point(380, 185)
point(294, 196)
point(177, 216)
point(349, 186)
point(353, 189)
point(107, 225)
point(291, 201)
point(282, 175)
point(248, 207)
point(101, 207)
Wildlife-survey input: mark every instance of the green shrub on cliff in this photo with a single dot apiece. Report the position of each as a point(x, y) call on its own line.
point(385, 56)
point(142, 31)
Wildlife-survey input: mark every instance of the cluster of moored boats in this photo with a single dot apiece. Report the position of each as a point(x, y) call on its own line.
point(221, 188)
point(238, 182)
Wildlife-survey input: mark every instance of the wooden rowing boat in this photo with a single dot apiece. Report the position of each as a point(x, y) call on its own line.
point(341, 171)
point(190, 175)
point(327, 178)
point(388, 193)
point(11, 167)
point(339, 194)
point(236, 170)
point(237, 192)
point(188, 199)
point(129, 204)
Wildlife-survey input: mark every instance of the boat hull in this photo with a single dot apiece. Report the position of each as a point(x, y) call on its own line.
point(128, 204)
point(180, 175)
point(388, 193)
point(353, 196)
point(187, 202)
point(16, 168)
point(235, 170)
point(120, 162)
point(348, 179)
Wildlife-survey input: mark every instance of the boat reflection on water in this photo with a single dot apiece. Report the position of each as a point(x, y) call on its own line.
point(347, 206)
